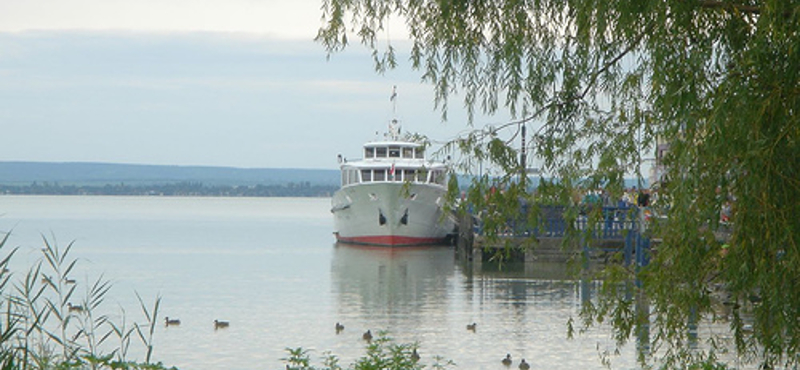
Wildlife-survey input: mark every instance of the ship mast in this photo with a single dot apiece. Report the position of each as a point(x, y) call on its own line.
point(393, 99)
point(394, 128)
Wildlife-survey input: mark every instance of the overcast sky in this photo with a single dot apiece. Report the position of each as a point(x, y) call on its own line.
point(193, 82)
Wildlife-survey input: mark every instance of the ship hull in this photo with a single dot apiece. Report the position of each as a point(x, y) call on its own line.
point(392, 214)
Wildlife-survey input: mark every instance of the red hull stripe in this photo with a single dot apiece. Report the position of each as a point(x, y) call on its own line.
point(389, 240)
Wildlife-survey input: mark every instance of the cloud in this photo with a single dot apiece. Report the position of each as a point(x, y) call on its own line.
point(194, 98)
point(297, 19)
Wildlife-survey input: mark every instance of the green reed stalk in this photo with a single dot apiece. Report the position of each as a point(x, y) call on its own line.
point(152, 318)
point(123, 333)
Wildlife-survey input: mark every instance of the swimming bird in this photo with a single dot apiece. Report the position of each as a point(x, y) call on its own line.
point(524, 365)
point(339, 328)
point(507, 361)
point(220, 324)
point(172, 322)
point(367, 336)
point(414, 355)
point(74, 308)
point(471, 327)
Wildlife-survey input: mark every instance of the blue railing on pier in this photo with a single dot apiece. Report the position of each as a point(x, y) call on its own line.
point(625, 225)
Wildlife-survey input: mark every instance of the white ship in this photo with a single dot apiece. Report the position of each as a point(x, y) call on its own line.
point(392, 196)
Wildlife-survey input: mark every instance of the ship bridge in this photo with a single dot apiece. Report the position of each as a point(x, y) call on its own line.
point(393, 161)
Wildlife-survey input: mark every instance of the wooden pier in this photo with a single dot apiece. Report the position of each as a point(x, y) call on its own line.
point(620, 233)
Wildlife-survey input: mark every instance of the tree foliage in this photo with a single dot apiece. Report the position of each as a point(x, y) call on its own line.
point(603, 81)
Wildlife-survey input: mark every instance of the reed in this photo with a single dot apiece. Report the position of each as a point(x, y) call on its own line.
point(49, 320)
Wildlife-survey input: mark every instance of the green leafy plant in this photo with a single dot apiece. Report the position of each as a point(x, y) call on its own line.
point(382, 352)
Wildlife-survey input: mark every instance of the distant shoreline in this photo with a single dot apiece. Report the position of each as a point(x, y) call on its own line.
point(94, 175)
point(182, 189)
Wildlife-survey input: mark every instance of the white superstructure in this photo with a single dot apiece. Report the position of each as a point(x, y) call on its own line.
point(392, 196)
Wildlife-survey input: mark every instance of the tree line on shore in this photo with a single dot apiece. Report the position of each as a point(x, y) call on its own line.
point(292, 189)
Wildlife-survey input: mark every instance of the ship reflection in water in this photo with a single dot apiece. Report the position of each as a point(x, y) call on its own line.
point(428, 296)
point(381, 280)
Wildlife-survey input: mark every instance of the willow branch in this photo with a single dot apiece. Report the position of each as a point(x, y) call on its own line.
point(741, 8)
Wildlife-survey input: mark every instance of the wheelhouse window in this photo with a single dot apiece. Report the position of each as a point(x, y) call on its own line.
point(369, 152)
point(394, 152)
point(379, 175)
point(380, 152)
point(366, 175)
point(419, 153)
point(421, 176)
point(352, 176)
point(408, 152)
point(409, 175)
point(349, 176)
point(437, 177)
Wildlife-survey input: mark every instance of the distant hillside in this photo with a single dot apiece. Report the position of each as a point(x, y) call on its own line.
point(26, 173)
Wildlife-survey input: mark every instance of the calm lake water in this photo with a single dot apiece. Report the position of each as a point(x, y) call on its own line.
point(271, 268)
